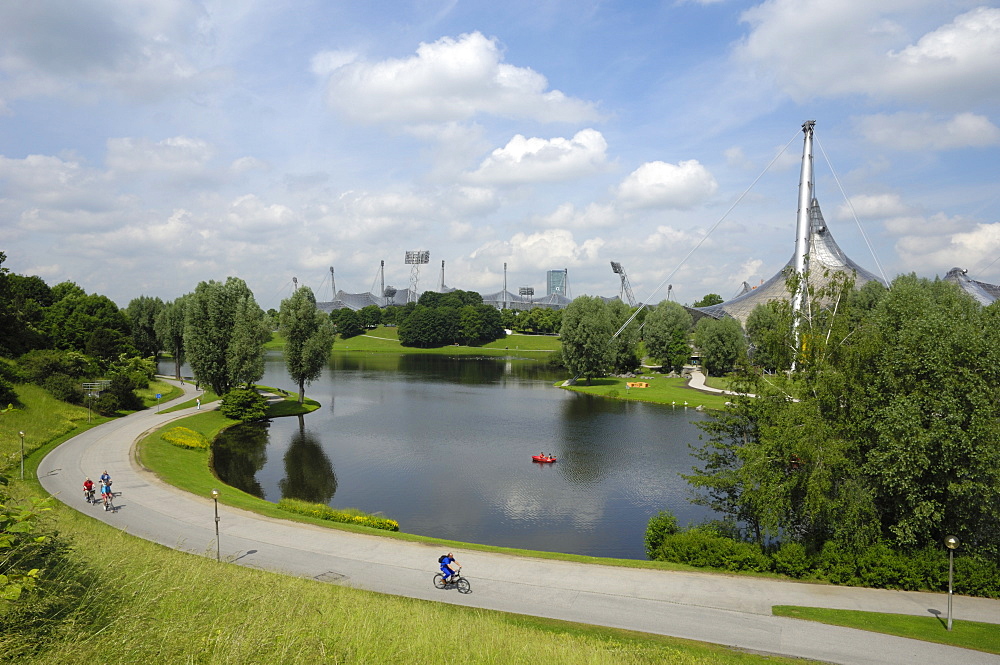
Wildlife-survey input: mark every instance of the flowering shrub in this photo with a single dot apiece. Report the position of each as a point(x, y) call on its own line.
point(325, 512)
point(185, 438)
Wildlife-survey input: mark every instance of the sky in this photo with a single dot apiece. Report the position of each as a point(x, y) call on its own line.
point(151, 145)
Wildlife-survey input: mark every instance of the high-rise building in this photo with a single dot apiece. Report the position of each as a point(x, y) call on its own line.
point(557, 282)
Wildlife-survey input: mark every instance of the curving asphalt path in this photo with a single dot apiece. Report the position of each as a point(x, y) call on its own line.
point(728, 610)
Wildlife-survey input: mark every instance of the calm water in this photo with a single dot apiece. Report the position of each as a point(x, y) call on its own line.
point(444, 445)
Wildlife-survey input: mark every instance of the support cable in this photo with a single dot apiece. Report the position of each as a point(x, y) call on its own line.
point(705, 237)
point(854, 214)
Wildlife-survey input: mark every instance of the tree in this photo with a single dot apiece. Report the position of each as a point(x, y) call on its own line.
point(623, 348)
point(708, 300)
point(169, 328)
point(223, 334)
point(721, 344)
point(142, 313)
point(75, 318)
point(308, 337)
point(769, 329)
point(586, 337)
point(370, 316)
point(348, 323)
point(666, 334)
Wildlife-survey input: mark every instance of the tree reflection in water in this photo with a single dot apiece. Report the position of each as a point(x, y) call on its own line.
point(309, 474)
point(238, 453)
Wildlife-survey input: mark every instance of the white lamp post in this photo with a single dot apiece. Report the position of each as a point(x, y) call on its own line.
point(22, 454)
point(951, 542)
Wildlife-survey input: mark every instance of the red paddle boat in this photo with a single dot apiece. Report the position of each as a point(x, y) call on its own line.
point(543, 459)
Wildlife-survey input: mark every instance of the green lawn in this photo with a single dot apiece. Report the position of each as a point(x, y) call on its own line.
point(669, 391)
point(386, 340)
point(966, 634)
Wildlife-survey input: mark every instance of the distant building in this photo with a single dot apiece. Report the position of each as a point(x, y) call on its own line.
point(985, 294)
point(557, 282)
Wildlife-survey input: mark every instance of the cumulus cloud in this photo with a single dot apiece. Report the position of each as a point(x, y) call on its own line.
point(594, 215)
point(923, 131)
point(448, 80)
point(872, 206)
point(661, 185)
point(944, 251)
point(860, 47)
point(175, 155)
point(552, 247)
point(525, 160)
point(61, 47)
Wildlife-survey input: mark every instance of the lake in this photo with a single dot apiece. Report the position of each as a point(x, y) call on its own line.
point(444, 446)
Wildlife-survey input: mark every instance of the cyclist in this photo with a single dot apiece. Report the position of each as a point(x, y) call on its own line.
point(106, 478)
point(447, 570)
point(106, 494)
point(88, 490)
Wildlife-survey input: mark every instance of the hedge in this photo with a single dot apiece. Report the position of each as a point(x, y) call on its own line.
point(185, 438)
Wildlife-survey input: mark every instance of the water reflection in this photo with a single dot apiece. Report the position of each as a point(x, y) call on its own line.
point(239, 453)
point(309, 475)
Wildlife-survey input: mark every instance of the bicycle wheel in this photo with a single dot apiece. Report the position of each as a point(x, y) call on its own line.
point(463, 585)
point(439, 581)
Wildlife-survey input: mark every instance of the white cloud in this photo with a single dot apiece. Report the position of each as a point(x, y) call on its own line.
point(179, 154)
point(661, 185)
point(944, 251)
point(922, 131)
point(592, 216)
point(555, 248)
point(449, 80)
point(61, 47)
point(525, 160)
point(815, 48)
point(873, 206)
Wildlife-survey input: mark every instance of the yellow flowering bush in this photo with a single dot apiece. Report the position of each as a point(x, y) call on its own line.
point(325, 512)
point(185, 438)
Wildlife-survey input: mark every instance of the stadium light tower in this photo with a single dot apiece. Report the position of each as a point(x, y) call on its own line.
point(626, 290)
point(529, 292)
point(416, 258)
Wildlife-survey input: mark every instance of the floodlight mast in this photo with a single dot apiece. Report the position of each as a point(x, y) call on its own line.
point(626, 290)
point(416, 258)
point(528, 291)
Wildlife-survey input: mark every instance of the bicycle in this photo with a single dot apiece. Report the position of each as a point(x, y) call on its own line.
point(88, 495)
point(456, 580)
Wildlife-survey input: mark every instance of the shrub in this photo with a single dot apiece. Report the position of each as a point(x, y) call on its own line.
point(325, 512)
point(698, 547)
point(106, 405)
point(64, 387)
point(185, 438)
point(244, 405)
point(124, 391)
point(977, 576)
point(791, 559)
point(661, 525)
point(7, 394)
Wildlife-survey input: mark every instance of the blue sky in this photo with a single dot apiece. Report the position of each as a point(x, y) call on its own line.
point(146, 146)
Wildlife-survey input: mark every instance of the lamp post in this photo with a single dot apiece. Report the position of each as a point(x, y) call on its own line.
point(218, 546)
point(22, 454)
point(951, 542)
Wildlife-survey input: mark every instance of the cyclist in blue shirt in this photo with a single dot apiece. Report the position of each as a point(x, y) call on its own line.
point(446, 570)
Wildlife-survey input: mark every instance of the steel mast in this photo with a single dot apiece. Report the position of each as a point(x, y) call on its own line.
point(802, 228)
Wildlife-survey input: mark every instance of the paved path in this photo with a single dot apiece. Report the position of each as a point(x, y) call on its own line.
point(729, 610)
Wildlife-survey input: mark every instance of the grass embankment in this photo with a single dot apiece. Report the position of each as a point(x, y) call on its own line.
point(126, 600)
point(966, 634)
point(666, 390)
